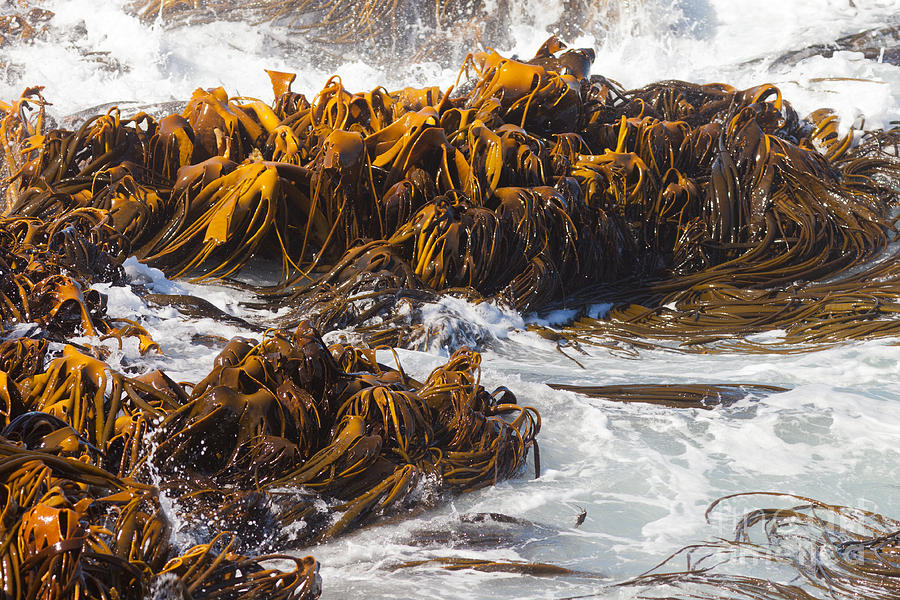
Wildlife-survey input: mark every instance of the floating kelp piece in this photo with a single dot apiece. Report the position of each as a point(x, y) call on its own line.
point(684, 395)
point(197, 308)
point(881, 44)
point(581, 517)
point(481, 532)
point(496, 566)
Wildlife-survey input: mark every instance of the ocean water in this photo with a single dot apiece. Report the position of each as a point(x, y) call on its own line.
point(643, 474)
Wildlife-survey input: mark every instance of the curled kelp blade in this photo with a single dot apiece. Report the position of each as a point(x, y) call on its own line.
point(672, 395)
point(823, 550)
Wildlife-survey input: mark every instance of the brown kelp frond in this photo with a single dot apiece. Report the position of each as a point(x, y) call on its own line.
point(858, 305)
point(234, 215)
point(495, 566)
point(21, 133)
point(286, 442)
point(108, 410)
point(809, 551)
point(47, 269)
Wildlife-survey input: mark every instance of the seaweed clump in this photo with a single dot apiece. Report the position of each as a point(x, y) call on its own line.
point(808, 551)
point(703, 211)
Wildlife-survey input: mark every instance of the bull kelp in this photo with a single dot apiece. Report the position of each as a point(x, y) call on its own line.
point(705, 212)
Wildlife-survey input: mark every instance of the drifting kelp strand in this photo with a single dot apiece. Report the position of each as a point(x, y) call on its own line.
point(825, 551)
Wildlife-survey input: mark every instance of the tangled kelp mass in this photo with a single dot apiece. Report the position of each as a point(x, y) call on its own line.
point(249, 454)
point(811, 551)
point(271, 416)
point(533, 182)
